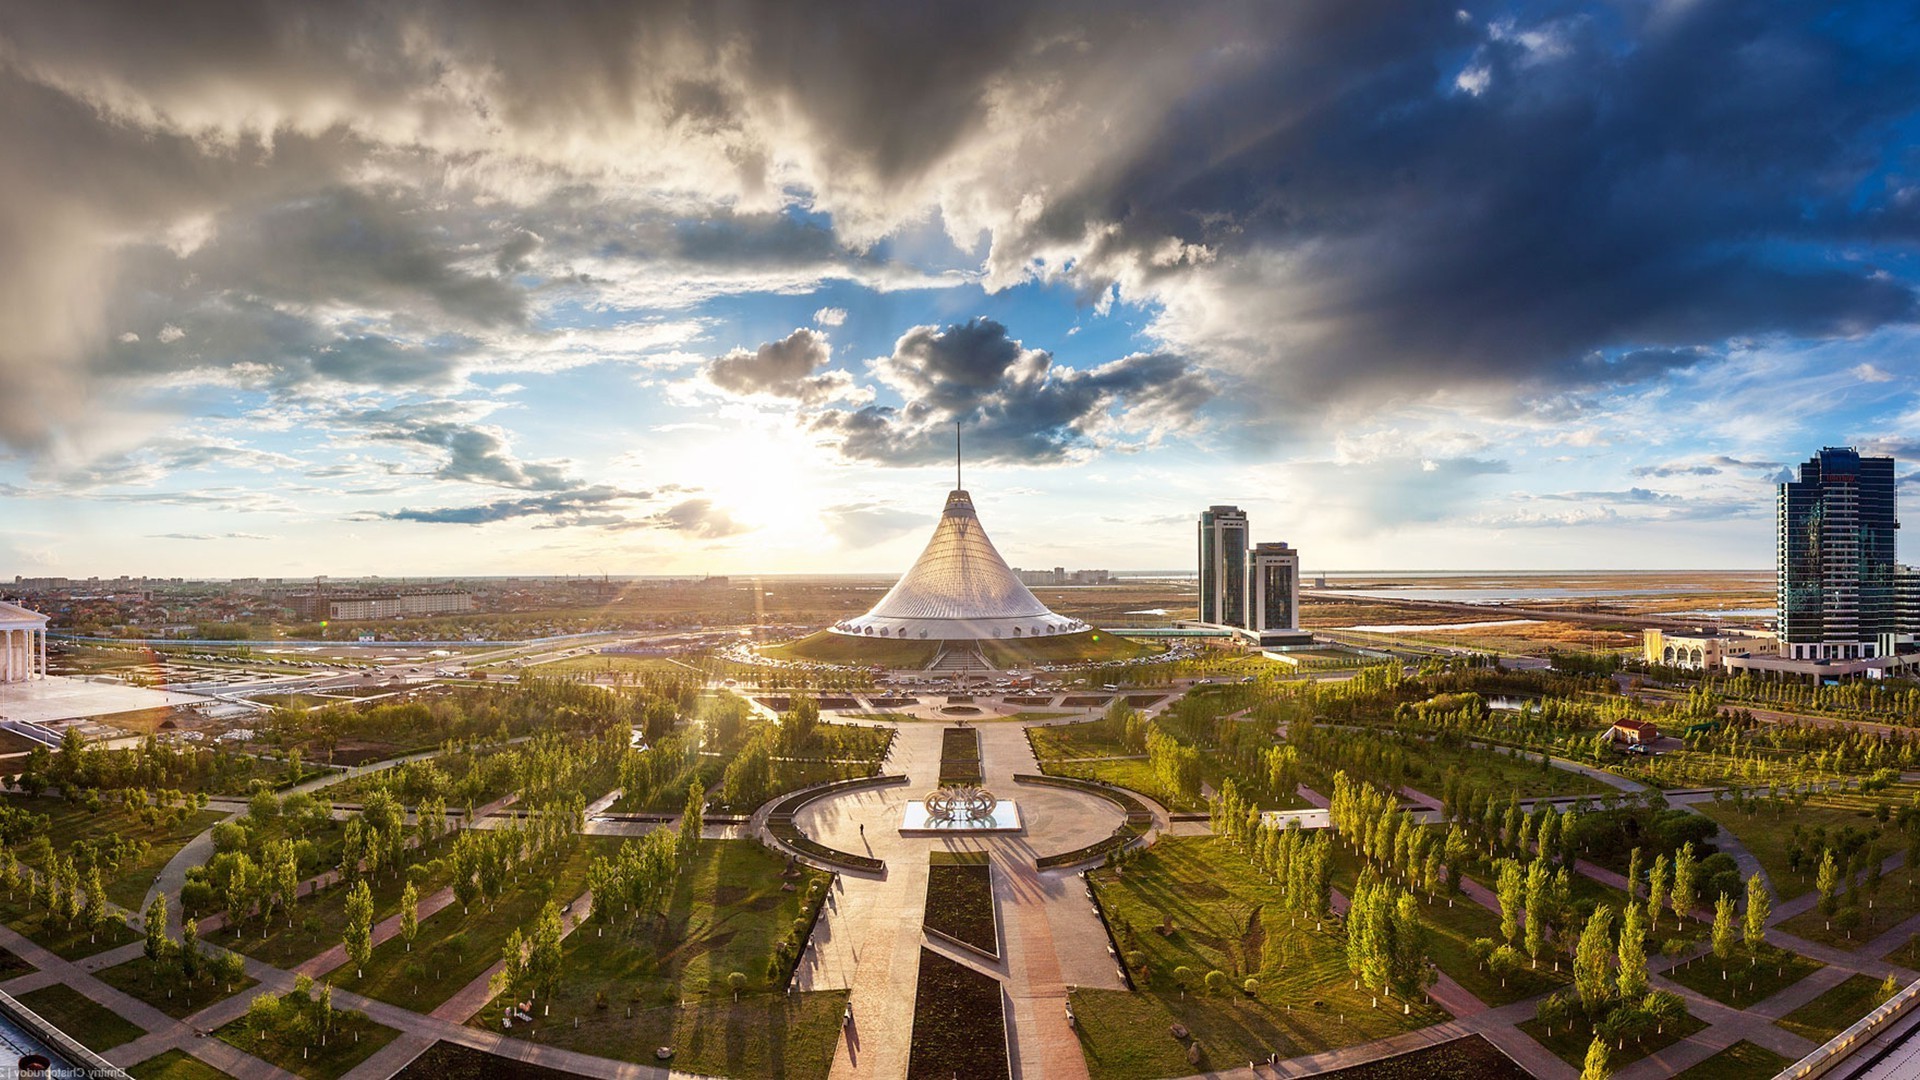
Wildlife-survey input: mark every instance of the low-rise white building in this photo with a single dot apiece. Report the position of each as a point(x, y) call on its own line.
point(1703, 650)
point(23, 644)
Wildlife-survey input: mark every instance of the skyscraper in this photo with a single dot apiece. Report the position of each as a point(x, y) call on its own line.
point(1273, 588)
point(1836, 587)
point(1223, 566)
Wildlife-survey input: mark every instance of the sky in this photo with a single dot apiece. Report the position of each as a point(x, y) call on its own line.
point(438, 288)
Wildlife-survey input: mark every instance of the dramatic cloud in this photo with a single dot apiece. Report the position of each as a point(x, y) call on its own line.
point(784, 368)
point(597, 505)
point(1013, 403)
point(697, 517)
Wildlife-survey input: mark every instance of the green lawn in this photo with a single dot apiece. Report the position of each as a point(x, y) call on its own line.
point(94, 1026)
point(1893, 906)
point(164, 992)
point(11, 965)
point(1834, 1011)
point(1766, 832)
point(1126, 773)
point(631, 988)
point(1743, 981)
point(1454, 930)
point(1570, 1041)
point(1741, 1061)
point(70, 943)
point(127, 886)
point(1227, 918)
point(1495, 769)
point(830, 648)
point(318, 920)
point(355, 1039)
point(454, 949)
point(1090, 739)
point(1908, 955)
point(176, 1065)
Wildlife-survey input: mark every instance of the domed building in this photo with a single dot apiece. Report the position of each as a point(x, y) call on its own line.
point(959, 589)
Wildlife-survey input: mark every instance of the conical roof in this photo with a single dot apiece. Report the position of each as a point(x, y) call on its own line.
point(959, 589)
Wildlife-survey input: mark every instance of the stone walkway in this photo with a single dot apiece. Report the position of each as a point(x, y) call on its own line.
point(869, 939)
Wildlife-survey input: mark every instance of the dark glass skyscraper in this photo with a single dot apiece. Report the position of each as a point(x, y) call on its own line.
point(1223, 566)
point(1836, 586)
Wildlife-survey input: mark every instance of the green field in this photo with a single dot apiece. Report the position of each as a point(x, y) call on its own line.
point(69, 821)
point(631, 986)
point(1089, 647)
point(319, 918)
point(827, 647)
point(1767, 832)
point(1225, 917)
point(1086, 740)
point(175, 1065)
point(454, 949)
point(1834, 1011)
point(1132, 773)
point(1744, 981)
point(164, 992)
point(1741, 1061)
point(96, 1027)
point(1571, 1039)
point(355, 1039)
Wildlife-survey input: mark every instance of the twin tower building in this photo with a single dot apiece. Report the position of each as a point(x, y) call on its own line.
point(1252, 589)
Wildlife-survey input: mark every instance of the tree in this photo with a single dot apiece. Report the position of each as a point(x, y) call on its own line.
point(1590, 969)
point(1664, 1007)
point(1511, 889)
point(358, 934)
point(737, 981)
point(1504, 962)
point(286, 879)
point(1633, 874)
point(1723, 930)
point(190, 954)
point(409, 915)
point(228, 968)
point(545, 951)
point(1596, 1064)
point(1828, 881)
point(1551, 1011)
point(1183, 978)
point(1685, 897)
point(95, 914)
point(690, 815)
point(1658, 881)
point(1218, 983)
point(1539, 895)
point(157, 940)
point(1633, 953)
point(1759, 904)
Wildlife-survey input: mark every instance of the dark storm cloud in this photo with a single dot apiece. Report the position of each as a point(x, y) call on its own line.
point(1012, 403)
point(784, 368)
point(1333, 200)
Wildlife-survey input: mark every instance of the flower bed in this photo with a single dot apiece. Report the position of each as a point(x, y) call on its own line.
point(960, 756)
point(959, 1024)
point(960, 900)
point(1471, 1058)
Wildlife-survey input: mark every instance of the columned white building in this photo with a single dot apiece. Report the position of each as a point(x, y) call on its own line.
point(23, 644)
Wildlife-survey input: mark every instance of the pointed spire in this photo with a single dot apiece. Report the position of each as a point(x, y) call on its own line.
point(957, 485)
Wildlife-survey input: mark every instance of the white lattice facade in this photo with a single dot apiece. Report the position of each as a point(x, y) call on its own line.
point(959, 589)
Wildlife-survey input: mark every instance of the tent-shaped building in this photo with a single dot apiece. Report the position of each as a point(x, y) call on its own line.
point(959, 589)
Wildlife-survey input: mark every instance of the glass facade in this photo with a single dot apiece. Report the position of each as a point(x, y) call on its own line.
point(1836, 586)
point(1223, 566)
